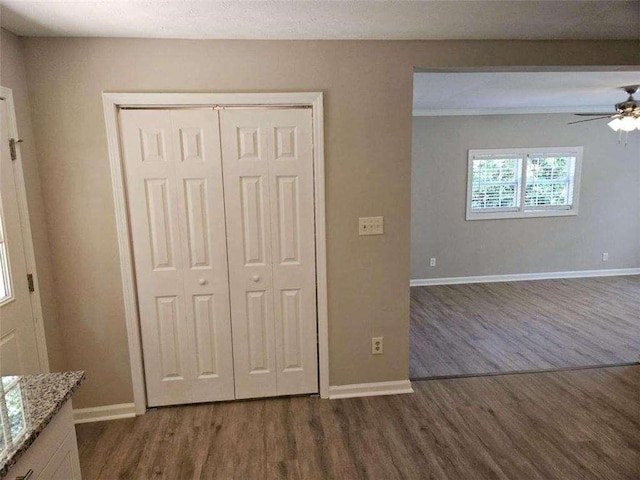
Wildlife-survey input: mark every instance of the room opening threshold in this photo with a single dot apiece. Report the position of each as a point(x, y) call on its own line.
point(522, 372)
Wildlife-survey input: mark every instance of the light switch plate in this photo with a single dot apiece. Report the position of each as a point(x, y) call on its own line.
point(370, 225)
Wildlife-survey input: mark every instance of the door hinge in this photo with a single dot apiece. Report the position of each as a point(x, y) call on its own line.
point(32, 288)
point(12, 148)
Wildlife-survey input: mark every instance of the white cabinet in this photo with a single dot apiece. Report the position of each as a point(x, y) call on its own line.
point(65, 464)
point(54, 454)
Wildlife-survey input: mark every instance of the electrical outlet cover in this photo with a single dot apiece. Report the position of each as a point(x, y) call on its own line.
point(377, 345)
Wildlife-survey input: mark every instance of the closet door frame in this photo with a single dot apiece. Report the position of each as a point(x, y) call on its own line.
point(112, 103)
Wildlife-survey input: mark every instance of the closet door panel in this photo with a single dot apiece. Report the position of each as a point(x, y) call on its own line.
point(152, 197)
point(174, 189)
point(246, 190)
point(268, 175)
point(292, 210)
point(196, 135)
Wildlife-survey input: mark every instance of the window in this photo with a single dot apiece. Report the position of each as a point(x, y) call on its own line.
point(523, 182)
point(12, 413)
point(5, 279)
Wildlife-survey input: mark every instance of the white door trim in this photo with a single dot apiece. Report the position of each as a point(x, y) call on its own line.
point(111, 103)
point(25, 224)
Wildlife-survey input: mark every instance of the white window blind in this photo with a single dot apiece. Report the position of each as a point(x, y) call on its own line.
point(496, 182)
point(523, 182)
point(550, 179)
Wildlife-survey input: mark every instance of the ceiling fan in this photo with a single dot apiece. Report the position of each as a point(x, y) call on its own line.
point(626, 117)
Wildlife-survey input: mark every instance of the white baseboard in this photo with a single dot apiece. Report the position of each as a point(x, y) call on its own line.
point(370, 389)
point(423, 282)
point(106, 412)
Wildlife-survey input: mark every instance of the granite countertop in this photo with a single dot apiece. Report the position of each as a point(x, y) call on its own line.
point(27, 405)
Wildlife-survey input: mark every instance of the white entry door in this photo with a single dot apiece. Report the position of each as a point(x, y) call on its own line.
point(18, 344)
point(268, 179)
point(174, 185)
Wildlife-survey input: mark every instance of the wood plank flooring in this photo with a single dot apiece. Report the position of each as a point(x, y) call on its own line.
point(545, 426)
point(532, 325)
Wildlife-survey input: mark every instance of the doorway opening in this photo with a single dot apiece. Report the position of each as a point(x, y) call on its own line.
point(524, 222)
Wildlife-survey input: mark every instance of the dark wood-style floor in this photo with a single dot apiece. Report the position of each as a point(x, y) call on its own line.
point(532, 325)
point(582, 424)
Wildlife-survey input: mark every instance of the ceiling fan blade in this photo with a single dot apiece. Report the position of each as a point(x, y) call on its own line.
point(589, 120)
point(599, 114)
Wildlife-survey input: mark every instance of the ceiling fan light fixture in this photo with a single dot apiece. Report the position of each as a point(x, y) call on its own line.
point(627, 124)
point(627, 116)
point(614, 124)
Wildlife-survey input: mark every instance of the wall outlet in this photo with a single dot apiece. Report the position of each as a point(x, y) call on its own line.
point(605, 257)
point(432, 262)
point(370, 225)
point(377, 345)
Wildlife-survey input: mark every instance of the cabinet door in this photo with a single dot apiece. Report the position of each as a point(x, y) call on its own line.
point(65, 463)
point(176, 206)
point(267, 160)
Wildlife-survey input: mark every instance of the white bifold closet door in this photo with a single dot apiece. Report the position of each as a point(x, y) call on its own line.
point(225, 276)
point(176, 207)
point(268, 187)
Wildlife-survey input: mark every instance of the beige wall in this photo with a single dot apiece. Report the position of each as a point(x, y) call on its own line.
point(368, 88)
point(13, 76)
point(608, 219)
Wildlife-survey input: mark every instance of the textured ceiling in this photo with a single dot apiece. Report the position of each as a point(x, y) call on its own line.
point(519, 92)
point(337, 19)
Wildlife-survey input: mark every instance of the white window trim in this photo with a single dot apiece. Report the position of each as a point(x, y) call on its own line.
point(521, 212)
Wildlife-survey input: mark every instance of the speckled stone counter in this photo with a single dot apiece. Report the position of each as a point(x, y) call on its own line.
point(27, 405)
